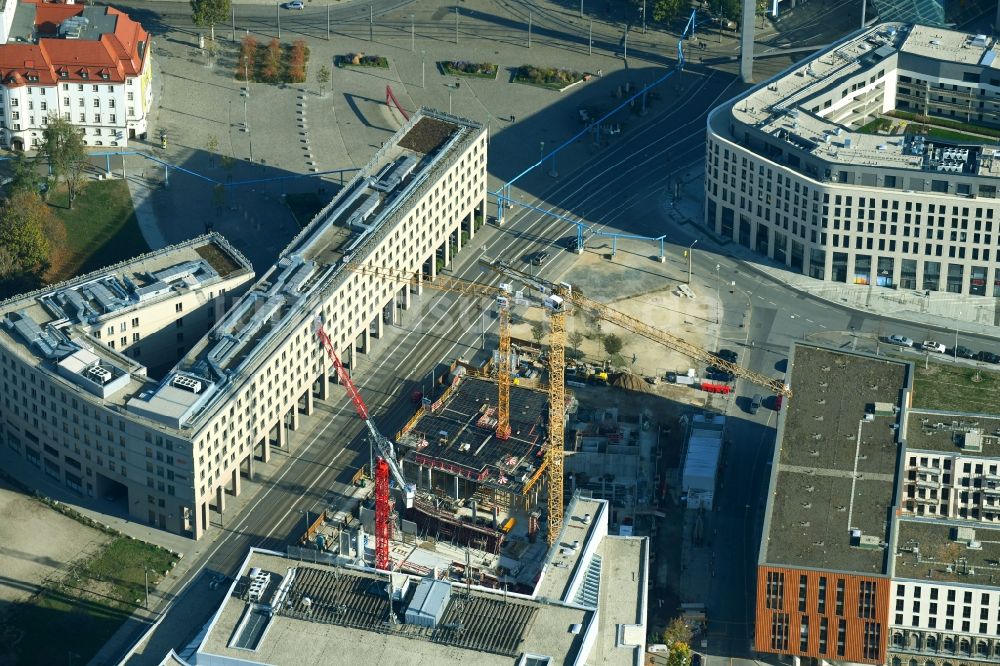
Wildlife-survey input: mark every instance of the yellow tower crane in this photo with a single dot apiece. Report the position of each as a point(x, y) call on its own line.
point(559, 299)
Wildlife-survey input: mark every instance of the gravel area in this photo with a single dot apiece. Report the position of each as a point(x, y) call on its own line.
point(37, 542)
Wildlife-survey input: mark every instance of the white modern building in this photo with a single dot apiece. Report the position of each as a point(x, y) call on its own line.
point(587, 607)
point(89, 65)
point(202, 420)
point(790, 175)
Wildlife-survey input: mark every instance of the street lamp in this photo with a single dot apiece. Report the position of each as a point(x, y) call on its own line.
point(245, 93)
point(689, 252)
point(423, 69)
point(413, 35)
point(718, 297)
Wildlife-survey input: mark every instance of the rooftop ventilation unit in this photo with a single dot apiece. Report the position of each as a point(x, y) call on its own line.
point(73, 27)
point(98, 374)
point(186, 383)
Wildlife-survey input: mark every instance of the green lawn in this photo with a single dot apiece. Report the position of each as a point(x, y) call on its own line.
point(81, 612)
point(933, 132)
point(101, 229)
point(953, 388)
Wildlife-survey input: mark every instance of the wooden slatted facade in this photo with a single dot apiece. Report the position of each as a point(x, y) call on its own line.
point(822, 614)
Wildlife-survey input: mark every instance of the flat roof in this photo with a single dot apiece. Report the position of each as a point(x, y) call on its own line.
point(565, 562)
point(938, 551)
point(782, 107)
point(348, 615)
point(315, 262)
point(460, 435)
point(946, 432)
point(48, 326)
point(622, 601)
point(834, 472)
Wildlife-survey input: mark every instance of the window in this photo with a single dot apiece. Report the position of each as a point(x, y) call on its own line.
point(178, 307)
point(129, 96)
point(840, 597)
point(111, 118)
point(779, 631)
point(97, 101)
point(775, 590)
point(803, 581)
point(821, 601)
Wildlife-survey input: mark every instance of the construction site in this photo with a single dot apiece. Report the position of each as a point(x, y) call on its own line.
point(472, 487)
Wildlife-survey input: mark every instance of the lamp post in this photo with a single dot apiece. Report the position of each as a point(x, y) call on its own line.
point(423, 69)
point(145, 576)
point(541, 151)
point(689, 252)
point(718, 296)
point(245, 93)
point(413, 35)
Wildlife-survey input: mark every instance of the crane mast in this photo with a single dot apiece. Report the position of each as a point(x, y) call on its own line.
point(385, 464)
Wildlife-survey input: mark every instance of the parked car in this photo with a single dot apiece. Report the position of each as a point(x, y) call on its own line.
point(755, 403)
point(988, 357)
point(295, 4)
point(934, 346)
point(718, 374)
point(901, 340)
point(962, 352)
point(539, 258)
point(727, 355)
point(672, 377)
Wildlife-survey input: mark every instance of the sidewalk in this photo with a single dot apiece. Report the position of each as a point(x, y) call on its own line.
point(969, 314)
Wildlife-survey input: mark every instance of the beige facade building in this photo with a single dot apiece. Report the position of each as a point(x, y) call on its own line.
point(789, 174)
point(240, 388)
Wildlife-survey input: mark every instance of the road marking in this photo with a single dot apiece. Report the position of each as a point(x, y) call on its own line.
point(810, 321)
point(278, 522)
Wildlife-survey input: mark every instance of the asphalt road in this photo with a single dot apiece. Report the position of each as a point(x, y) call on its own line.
point(619, 188)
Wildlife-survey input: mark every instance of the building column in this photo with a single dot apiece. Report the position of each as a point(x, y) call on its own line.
point(324, 384)
point(406, 297)
point(447, 250)
point(366, 340)
point(456, 487)
point(249, 460)
point(220, 498)
point(458, 239)
point(293, 424)
point(236, 482)
point(420, 476)
point(433, 273)
point(265, 450)
point(430, 478)
point(378, 325)
point(420, 279)
point(309, 402)
point(199, 520)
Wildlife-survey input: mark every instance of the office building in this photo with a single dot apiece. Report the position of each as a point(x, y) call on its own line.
point(586, 606)
point(795, 171)
point(205, 419)
point(879, 542)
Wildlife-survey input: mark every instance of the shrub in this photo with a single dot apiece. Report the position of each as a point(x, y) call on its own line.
point(246, 65)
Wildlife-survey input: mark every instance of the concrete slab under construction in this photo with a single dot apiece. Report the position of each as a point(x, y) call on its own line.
point(456, 439)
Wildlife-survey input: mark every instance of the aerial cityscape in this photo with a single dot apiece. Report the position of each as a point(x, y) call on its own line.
point(528, 332)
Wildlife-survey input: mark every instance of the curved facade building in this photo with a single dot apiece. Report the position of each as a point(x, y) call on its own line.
point(789, 174)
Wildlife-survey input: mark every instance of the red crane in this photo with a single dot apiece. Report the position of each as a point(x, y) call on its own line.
point(385, 464)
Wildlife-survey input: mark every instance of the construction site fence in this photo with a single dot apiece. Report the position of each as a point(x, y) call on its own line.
point(313, 555)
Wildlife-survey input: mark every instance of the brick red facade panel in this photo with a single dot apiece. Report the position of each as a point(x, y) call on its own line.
point(819, 614)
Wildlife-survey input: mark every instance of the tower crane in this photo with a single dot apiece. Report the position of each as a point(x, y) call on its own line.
point(385, 463)
point(502, 294)
point(558, 300)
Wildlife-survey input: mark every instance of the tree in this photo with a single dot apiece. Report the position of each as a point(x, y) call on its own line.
point(271, 68)
point(612, 344)
point(23, 175)
point(62, 145)
point(24, 220)
point(211, 50)
point(730, 9)
point(680, 654)
point(667, 10)
point(212, 146)
point(678, 631)
point(575, 340)
point(210, 12)
point(537, 332)
point(322, 78)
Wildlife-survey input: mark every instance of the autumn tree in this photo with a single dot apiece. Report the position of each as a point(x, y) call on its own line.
point(322, 78)
point(247, 60)
point(210, 12)
point(24, 222)
point(678, 631)
point(270, 70)
point(680, 654)
point(63, 146)
point(297, 62)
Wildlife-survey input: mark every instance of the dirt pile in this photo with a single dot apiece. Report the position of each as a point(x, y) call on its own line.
point(630, 382)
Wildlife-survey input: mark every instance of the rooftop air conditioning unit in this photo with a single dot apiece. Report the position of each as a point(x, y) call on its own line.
point(98, 374)
point(186, 383)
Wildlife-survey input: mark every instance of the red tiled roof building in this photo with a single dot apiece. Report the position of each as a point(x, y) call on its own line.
point(89, 65)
